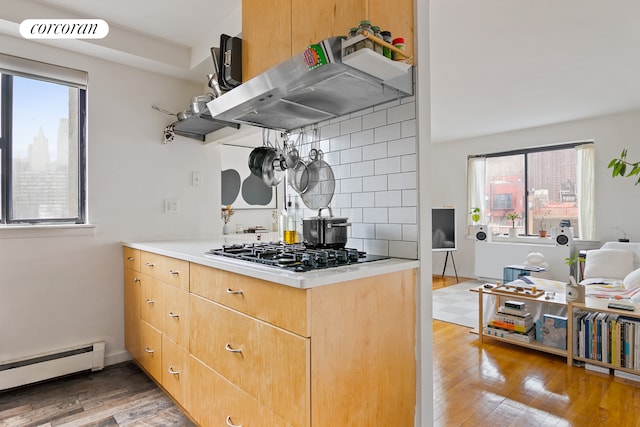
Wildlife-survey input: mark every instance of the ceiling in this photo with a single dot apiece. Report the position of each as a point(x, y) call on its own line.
point(496, 65)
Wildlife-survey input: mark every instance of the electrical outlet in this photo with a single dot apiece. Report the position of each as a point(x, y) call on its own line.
point(171, 206)
point(196, 179)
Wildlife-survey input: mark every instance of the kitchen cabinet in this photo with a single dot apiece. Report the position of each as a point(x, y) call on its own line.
point(132, 280)
point(247, 351)
point(272, 33)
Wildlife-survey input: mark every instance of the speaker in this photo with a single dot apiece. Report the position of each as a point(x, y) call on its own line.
point(564, 236)
point(481, 233)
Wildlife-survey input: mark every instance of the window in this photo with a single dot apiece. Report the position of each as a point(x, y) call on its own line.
point(543, 185)
point(42, 143)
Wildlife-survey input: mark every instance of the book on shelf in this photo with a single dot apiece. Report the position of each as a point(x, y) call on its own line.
point(526, 337)
point(555, 331)
point(520, 313)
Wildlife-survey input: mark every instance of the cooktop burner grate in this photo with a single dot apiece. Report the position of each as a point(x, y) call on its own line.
point(293, 257)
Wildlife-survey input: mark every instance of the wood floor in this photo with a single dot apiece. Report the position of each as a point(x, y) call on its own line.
point(119, 395)
point(494, 385)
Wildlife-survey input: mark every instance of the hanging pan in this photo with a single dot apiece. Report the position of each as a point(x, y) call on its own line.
point(322, 183)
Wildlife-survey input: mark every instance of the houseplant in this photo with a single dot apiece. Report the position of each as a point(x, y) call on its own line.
point(542, 231)
point(619, 167)
point(513, 216)
point(475, 215)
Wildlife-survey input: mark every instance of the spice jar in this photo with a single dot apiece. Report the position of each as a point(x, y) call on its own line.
point(365, 26)
point(386, 36)
point(376, 32)
point(398, 43)
point(350, 49)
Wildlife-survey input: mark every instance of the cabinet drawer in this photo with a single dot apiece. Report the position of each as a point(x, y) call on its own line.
point(175, 303)
point(268, 363)
point(151, 350)
point(151, 307)
point(279, 305)
point(131, 258)
point(227, 404)
point(169, 270)
point(174, 369)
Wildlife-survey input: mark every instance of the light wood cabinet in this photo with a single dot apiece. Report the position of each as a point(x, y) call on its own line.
point(273, 32)
point(236, 350)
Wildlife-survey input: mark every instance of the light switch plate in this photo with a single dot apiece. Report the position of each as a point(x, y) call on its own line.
point(171, 206)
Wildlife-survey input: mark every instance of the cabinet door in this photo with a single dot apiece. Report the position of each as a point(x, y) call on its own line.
point(176, 314)
point(266, 35)
point(214, 401)
point(151, 350)
point(312, 22)
point(175, 272)
point(396, 17)
point(174, 369)
point(132, 280)
point(151, 308)
point(268, 363)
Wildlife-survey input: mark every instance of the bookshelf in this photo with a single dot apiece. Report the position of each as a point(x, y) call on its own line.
point(603, 336)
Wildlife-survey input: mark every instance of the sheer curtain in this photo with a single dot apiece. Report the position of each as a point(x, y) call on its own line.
point(475, 186)
point(586, 188)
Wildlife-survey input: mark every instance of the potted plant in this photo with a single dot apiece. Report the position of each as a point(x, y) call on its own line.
point(513, 216)
point(475, 215)
point(542, 231)
point(624, 235)
point(619, 165)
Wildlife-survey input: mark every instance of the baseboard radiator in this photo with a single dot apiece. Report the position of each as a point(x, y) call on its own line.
point(46, 366)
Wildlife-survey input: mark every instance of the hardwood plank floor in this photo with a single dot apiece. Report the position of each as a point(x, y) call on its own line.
point(119, 395)
point(497, 384)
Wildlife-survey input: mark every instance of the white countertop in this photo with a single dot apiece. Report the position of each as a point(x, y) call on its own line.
point(193, 250)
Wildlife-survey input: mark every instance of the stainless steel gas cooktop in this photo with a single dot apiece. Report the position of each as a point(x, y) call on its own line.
point(293, 257)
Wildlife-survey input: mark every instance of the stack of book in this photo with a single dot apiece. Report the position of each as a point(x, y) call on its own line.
point(512, 321)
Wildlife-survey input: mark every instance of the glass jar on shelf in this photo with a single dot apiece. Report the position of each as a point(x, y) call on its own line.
point(376, 32)
point(365, 26)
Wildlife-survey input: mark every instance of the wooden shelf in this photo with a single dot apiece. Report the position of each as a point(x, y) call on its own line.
point(532, 345)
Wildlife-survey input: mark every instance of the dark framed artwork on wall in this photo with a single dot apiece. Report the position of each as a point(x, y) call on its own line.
point(239, 187)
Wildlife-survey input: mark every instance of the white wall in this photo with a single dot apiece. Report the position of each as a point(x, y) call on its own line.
point(61, 291)
point(617, 200)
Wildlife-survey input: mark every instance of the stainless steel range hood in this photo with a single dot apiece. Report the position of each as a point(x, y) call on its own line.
point(314, 86)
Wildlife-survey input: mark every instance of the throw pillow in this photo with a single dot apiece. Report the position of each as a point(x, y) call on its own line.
point(608, 263)
point(632, 280)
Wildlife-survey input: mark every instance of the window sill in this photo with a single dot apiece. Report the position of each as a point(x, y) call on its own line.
point(49, 230)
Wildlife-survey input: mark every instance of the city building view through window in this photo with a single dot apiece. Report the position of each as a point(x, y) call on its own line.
point(540, 186)
point(44, 182)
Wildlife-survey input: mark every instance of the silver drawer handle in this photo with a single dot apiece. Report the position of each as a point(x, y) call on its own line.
point(232, 292)
point(231, 349)
point(150, 301)
point(148, 350)
point(173, 272)
point(172, 372)
point(136, 280)
point(131, 258)
point(172, 314)
point(148, 264)
point(230, 424)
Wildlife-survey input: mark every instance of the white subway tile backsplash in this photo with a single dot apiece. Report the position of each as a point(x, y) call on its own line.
point(399, 249)
point(409, 163)
point(388, 165)
point(402, 181)
point(388, 231)
point(386, 133)
point(401, 113)
point(362, 168)
point(403, 215)
point(350, 126)
point(375, 215)
point(373, 120)
point(359, 139)
point(375, 151)
point(402, 146)
point(364, 231)
point(375, 183)
point(363, 200)
point(351, 155)
point(351, 185)
point(409, 197)
point(373, 156)
point(408, 128)
point(388, 198)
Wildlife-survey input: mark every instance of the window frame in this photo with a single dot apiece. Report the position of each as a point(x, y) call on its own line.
point(14, 66)
point(525, 152)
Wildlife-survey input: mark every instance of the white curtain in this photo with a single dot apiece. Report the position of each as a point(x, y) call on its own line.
point(586, 188)
point(475, 186)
